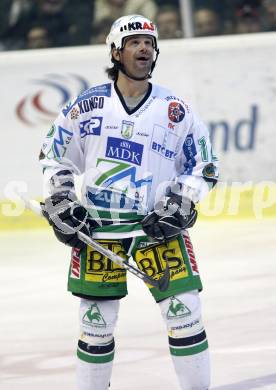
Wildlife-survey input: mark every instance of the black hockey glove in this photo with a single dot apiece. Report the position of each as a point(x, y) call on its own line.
point(67, 216)
point(170, 216)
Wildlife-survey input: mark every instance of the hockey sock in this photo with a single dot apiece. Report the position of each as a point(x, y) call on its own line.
point(193, 371)
point(187, 340)
point(93, 376)
point(96, 344)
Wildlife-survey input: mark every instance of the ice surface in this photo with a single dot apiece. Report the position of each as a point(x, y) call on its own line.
point(39, 318)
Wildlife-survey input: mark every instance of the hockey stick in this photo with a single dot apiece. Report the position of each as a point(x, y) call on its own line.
point(162, 284)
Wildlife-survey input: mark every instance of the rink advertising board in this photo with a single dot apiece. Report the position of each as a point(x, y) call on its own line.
point(229, 81)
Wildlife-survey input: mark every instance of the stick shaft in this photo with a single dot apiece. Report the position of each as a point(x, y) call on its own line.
point(36, 208)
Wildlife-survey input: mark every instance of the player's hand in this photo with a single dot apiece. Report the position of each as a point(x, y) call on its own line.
point(66, 216)
point(169, 218)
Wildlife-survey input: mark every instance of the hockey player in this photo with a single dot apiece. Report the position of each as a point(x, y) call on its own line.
point(146, 160)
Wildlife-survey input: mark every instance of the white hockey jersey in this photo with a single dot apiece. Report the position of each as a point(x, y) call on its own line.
point(127, 158)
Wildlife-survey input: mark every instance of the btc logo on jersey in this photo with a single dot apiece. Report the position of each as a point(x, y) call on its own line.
point(170, 154)
point(164, 142)
point(91, 127)
point(176, 112)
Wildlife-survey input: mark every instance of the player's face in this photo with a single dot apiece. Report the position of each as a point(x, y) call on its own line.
point(137, 55)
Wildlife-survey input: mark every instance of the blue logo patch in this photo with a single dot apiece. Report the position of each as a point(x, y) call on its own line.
point(190, 152)
point(100, 90)
point(111, 199)
point(124, 150)
point(167, 153)
point(60, 142)
point(92, 126)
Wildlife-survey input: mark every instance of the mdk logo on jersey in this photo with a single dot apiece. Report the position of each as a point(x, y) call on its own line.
point(124, 150)
point(176, 112)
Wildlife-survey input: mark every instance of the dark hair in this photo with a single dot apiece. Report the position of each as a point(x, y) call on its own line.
point(112, 73)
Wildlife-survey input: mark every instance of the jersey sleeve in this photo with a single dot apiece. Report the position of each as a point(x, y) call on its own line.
point(61, 154)
point(197, 165)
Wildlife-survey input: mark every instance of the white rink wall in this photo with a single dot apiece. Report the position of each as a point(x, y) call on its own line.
point(230, 82)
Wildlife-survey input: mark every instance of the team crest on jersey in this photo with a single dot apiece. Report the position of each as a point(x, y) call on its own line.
point(176, 112)
point(127, 129)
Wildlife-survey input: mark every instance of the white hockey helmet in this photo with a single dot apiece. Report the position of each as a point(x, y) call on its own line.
point(127, 26)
